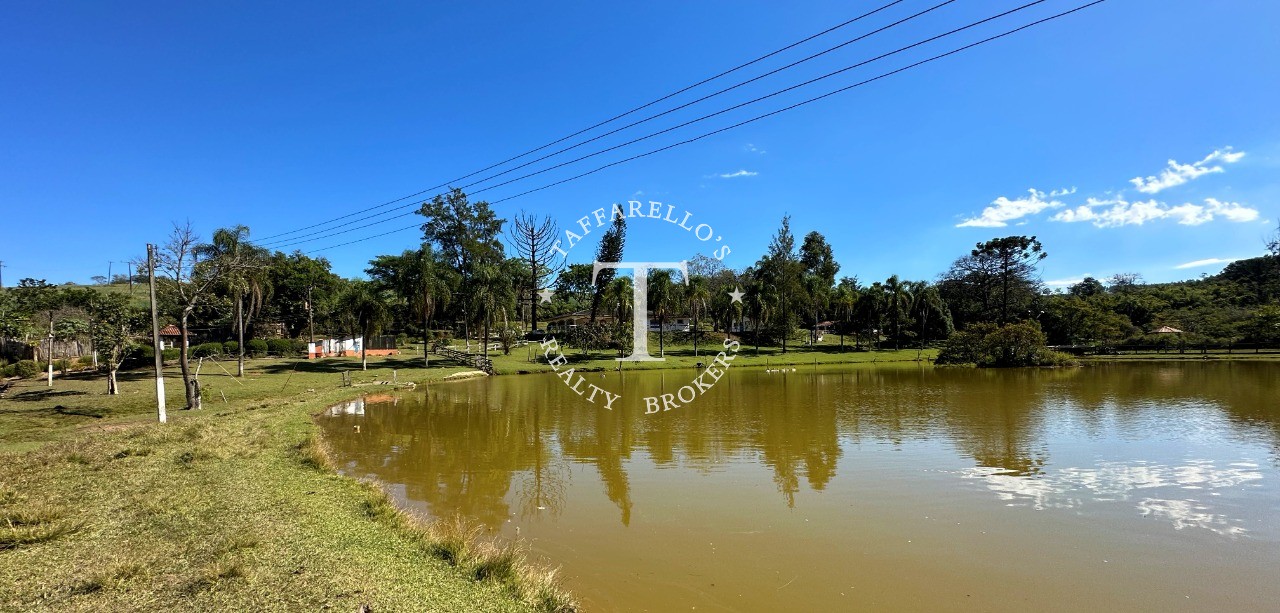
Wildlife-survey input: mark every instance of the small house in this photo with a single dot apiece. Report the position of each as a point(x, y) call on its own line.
point(170, 336)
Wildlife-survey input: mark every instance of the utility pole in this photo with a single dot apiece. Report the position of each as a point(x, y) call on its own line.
point(109, 279)
point(50, 356)
point(1, 274)
point(129, 268)
point(155, 332)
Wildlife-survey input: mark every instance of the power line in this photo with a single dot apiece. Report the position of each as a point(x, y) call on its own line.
point(602, 123)
point(716, 113)
point(759, 117)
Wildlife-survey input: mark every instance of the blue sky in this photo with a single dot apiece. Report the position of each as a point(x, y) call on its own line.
point(120, 118)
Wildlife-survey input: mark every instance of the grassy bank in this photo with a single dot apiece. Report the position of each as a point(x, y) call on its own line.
point(230, 507)
point(529, 358)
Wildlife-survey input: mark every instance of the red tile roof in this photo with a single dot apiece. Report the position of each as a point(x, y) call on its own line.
point(170, 330)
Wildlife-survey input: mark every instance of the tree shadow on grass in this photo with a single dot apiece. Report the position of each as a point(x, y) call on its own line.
point(40, 395)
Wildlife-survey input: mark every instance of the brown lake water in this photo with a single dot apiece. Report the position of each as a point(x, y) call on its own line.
point(1111, 487)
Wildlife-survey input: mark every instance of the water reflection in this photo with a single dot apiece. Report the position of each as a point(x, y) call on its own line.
point(493, 448)
point(1006, 485)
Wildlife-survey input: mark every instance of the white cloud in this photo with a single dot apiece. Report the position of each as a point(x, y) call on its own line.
point(1066, 282)
point(750, 148)
point(1176, 174)
point(1003, 210)
point(740, 173)
point(1113, 213)
point(1205, 262)
point(1233, 211)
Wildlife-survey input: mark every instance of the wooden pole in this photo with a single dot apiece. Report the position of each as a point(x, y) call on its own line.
point(155, 333)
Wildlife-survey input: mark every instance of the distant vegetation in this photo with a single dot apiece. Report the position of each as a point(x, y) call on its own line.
point(235, 298)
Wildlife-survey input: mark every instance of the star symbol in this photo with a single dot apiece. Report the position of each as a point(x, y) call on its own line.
point(546, 295)
point(736, 295)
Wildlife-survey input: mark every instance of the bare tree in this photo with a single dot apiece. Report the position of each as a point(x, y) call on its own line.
point(189, 282)
point(534, 239)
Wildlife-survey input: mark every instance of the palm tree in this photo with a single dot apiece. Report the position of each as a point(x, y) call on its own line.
point(492, 291)
point(618, 298)
point(365, 307)
point(697, 297)
point(897, 305)
point(819, 295)
point(759, 304)
point(844, 301)
point(926, 301)
point(661, 298)
point(871, 306)
point(421, 280)
point(245, 278)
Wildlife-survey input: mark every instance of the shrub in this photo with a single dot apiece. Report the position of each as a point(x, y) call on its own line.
point(231, 348)
point(402, 339)
point(443, 336)
point(26, 368)
point(1020, 344)
point(206, 350)
point(6, 371)
point(257, 347)
point(167, 355)
point(284, 347)
point(85, 361)
point(965, 346)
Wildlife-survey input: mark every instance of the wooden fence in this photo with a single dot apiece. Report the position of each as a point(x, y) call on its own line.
point(476, 361)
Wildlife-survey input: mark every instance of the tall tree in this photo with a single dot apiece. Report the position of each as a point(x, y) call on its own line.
point(662, 299)
point(618, 298)
point(927, 307)
point(188, 282)
point(467, 235)
point(303, 289)
point(245, 279)
point(492, 293)
point(844, 301)
point(421, 280)
point(897, 303)
point(996, 281)
point(820, 276)
point(609, 250)
point(781, 273)
point(366, 307)
point(697, 297)
point(534, 240)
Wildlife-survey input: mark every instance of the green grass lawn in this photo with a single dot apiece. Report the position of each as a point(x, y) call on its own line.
point(232, 507)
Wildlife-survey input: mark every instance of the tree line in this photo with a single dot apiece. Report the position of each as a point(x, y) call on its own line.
point(480, 278)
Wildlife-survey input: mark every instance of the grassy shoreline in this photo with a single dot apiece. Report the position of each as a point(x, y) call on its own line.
point(235, 506)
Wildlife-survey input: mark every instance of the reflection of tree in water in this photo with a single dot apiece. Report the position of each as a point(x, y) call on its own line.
point(991, 416)
point(604, 439)
point(796, 433)
point(996, 417)
point(475, 448)
point(543, 487)
point(1246, 393)
point(457, 452)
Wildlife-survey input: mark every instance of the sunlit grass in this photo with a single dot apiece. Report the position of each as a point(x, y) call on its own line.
point(234, 507)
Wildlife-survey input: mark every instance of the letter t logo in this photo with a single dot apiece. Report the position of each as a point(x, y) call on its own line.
point(640, 302)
